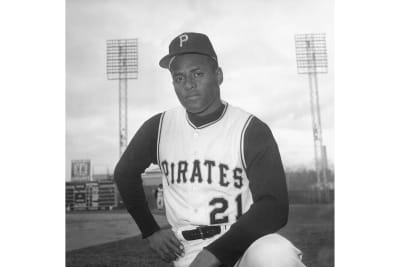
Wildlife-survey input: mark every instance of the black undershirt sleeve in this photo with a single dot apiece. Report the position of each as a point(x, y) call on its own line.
point(140, 153)
point(267, 182)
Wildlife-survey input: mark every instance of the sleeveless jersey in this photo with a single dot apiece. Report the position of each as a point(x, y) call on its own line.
point(203, 168)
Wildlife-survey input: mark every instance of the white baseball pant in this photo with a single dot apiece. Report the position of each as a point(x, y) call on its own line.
point(271, 250)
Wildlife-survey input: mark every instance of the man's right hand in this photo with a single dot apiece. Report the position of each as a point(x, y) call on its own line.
point(166, 245)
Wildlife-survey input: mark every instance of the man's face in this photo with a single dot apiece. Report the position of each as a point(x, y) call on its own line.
point(196, 79)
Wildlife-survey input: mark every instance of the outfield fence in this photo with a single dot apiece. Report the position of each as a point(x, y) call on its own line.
point(311, 196)
point(114, 201)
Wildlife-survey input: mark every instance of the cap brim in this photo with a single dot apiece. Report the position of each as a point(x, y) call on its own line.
point(165, 61)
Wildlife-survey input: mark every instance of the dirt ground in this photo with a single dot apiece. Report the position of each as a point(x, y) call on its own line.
point(112, 241)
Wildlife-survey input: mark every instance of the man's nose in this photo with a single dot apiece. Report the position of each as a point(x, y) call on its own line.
point(189, 83)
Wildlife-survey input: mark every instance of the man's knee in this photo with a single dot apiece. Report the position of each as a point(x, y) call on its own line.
point(271, 250)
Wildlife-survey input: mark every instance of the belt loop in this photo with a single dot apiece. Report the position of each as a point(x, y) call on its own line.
point(201, 233)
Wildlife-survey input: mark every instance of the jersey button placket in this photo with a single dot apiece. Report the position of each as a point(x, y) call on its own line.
point(195, 151)
point(196, 144)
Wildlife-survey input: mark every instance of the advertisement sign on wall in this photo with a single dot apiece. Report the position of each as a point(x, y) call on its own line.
point(80, 170)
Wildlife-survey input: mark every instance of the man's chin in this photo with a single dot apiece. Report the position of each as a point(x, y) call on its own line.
point(199, 109)
point(194, 110)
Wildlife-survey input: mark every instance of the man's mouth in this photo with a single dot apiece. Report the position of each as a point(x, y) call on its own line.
point(192, 97)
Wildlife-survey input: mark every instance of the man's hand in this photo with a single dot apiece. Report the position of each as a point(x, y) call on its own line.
point(205, 259)
point(166, 245)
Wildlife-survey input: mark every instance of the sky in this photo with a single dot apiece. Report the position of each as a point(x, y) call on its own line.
point(254, 41)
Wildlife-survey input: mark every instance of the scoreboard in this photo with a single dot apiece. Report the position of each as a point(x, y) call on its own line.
point(91, 195)
point(80, 196)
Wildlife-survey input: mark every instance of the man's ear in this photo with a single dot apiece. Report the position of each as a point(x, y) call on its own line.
point(220, 75)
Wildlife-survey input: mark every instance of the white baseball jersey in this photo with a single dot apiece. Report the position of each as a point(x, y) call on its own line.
point(204, 177)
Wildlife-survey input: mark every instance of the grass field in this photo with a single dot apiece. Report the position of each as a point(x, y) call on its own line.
point(310, 228)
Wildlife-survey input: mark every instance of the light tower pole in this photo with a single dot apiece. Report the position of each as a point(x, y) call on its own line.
point(311, 56)
point(122, 64)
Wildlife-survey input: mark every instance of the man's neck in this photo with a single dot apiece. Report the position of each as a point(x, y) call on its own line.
point(200, 120)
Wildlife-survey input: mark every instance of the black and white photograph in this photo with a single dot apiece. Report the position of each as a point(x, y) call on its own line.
point(199, 133)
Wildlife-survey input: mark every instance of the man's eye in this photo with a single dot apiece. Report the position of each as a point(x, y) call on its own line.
point(198, 74)
point(178, 79)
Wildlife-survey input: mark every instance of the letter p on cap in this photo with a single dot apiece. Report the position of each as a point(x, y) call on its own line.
point(183, 38)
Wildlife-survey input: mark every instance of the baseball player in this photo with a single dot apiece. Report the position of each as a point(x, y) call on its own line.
point(225, 192)
point(160, 197)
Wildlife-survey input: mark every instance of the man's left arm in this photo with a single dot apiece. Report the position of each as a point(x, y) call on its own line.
point(269, 211)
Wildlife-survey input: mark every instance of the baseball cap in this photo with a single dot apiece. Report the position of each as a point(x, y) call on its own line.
point(189, 43)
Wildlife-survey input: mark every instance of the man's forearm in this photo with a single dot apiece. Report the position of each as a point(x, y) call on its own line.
point(132, 193)
point(266, 216)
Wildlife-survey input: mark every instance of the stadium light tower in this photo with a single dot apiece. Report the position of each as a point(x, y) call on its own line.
point(311, 56)
point(122, 64)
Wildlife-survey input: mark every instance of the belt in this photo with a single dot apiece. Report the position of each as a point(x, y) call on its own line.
point(201, 232)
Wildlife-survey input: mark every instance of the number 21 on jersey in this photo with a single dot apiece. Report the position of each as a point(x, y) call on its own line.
point(221, 205)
